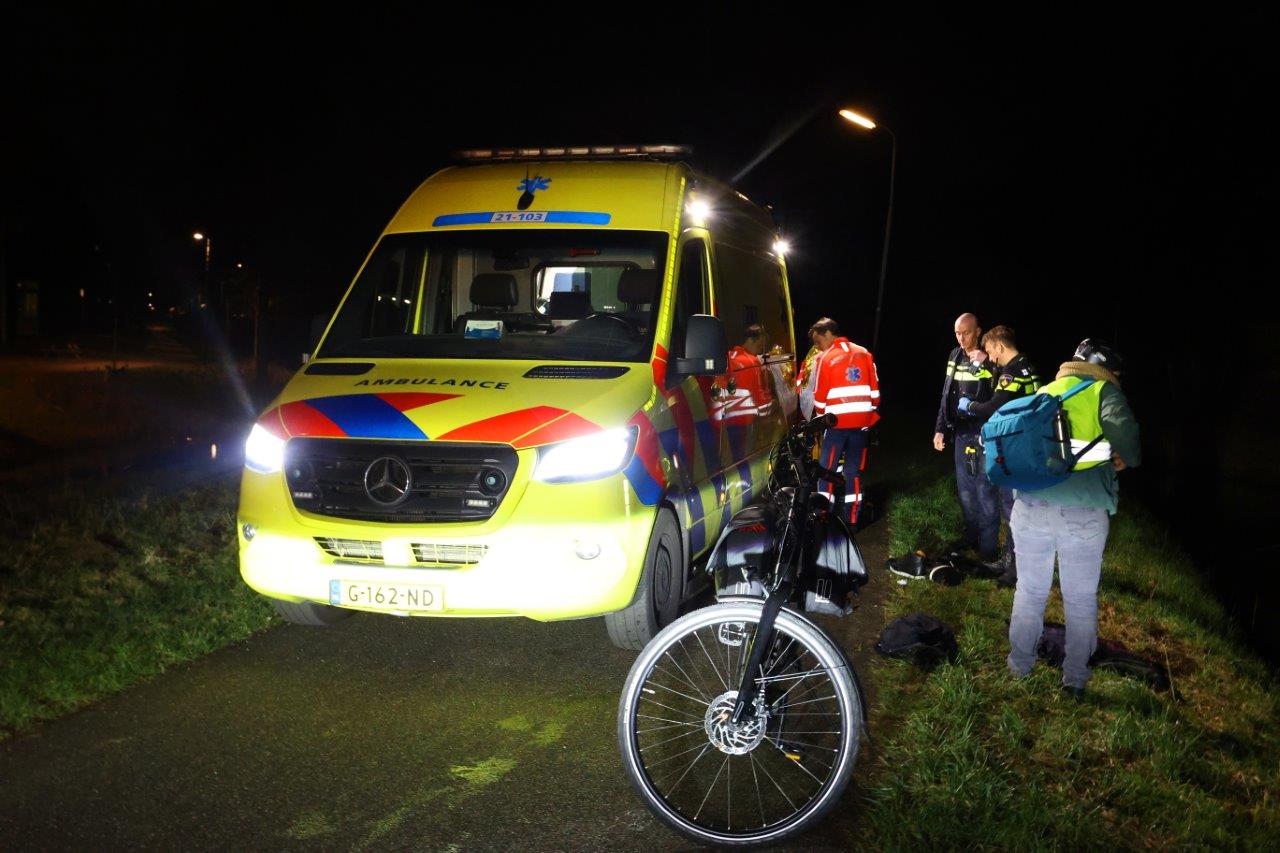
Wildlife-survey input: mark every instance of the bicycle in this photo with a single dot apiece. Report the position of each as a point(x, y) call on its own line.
point(739, 723)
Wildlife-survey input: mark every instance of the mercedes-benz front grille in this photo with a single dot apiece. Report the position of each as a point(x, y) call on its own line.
point(398, 481)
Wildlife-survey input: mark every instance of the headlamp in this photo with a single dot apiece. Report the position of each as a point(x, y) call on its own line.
point(263, 452)
point(588, 458)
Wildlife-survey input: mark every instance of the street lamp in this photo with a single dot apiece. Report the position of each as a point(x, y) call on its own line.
point(208, 256)
point(866, 123)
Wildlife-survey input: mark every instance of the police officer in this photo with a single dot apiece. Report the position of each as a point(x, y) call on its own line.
point(968, 378)
point(1017, 378)
point(1070, 521)
point(845, 384)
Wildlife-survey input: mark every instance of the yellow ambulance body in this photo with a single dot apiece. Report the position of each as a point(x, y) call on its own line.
point(500, 418)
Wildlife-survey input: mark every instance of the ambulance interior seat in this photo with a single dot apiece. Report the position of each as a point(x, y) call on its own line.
point(494, 296)
point(565, 306)
point(637, 288)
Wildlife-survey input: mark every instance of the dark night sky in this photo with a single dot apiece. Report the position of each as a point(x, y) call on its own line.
point(1070, 175)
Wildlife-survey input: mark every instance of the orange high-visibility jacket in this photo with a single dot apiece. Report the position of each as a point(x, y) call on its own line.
point(848, 386)
point(747, 395)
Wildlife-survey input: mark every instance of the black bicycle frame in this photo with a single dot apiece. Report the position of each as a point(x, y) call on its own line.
point(790, 553)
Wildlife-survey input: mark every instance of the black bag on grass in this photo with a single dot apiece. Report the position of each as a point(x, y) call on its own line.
point(919, 638)
point(1052, 649)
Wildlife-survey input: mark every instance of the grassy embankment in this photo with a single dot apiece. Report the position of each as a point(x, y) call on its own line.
point(971, 757)
point(99, 592)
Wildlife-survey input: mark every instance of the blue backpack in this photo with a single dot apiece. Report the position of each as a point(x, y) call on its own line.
point(1027, 442)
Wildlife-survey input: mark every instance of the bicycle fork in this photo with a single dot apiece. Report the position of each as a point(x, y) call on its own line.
point(760, 645)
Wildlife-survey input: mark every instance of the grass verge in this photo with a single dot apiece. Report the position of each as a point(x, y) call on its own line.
point(972, 757)
point(99, 593)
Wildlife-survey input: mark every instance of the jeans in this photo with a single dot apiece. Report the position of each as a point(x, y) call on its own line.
point(979, 499)
point(851, 444)
point(1076, 535)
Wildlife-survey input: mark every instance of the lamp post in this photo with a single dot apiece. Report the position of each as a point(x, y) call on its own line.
point(208, 256)
point(868, 124)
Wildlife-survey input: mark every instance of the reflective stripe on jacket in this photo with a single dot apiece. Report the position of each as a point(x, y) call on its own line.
point(848, 386)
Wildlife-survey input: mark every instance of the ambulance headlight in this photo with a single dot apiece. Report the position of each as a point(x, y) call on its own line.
point(586, 458)
point(263, 452)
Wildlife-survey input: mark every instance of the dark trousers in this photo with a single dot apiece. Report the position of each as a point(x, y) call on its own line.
point(980, 501)
point(1006, 511)
point(851, 446)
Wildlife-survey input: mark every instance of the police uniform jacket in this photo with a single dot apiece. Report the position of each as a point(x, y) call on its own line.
point(1017, 379)
point(964, 378)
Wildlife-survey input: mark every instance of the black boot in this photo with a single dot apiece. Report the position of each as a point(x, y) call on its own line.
point(1009, 564)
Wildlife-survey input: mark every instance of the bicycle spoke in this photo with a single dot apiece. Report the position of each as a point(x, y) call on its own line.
point(728, 794)
point(668, 707)
point(752, 756)
point(770, 679)
point(759, 798)
point(660, 728)
point(798, 764)
point(677, 692)
point(687, 769)
point(687, 678)
point(689, 656)
point(668, 740)
point(806, 702)
point(665, 720)
point(794, 686)
point(677, 755)
point(779, 658)
point(775, 742)
point(711, 788)
point(710, 661)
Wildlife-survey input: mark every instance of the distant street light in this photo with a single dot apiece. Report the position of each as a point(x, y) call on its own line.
point(868, 124)
point(208, 257)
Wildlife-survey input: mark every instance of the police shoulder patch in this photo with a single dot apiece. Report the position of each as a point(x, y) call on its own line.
point(1005, 381)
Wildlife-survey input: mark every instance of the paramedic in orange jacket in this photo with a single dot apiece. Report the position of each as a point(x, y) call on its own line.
point(846, 385)
point(747, 396)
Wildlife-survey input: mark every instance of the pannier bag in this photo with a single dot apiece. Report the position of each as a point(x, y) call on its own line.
point(746, 552)
point(835, 568)
point(1028, 442)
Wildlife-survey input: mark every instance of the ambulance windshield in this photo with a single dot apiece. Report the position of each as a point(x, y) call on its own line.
point(556, 295)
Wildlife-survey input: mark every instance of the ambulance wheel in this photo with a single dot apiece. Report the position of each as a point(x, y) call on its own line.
point(306, 613)
point(657, 600)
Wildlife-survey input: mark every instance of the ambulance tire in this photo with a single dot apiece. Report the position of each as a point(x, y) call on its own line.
point(658, 595)
point(306, 613)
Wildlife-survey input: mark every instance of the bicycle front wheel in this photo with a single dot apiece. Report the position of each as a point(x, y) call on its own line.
point(761, 780)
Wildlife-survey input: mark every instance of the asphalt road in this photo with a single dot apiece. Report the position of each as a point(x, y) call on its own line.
point(378, 733)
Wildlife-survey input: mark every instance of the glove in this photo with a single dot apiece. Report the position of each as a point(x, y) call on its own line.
point(963, 405)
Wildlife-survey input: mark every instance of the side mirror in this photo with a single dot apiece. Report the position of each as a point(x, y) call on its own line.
point(706, 352)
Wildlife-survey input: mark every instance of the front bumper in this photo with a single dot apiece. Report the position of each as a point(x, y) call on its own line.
point(531, 565)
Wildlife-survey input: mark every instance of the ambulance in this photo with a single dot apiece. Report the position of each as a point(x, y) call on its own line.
point(557, 375)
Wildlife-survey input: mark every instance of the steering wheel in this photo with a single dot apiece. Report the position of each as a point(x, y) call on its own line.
point(630, 327)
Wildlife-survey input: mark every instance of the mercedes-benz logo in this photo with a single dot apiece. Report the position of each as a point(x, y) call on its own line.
point(387, 480)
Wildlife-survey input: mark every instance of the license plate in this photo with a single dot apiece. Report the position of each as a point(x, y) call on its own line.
point(385, 596)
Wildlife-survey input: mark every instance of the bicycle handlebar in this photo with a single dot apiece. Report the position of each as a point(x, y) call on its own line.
point(818, 424)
